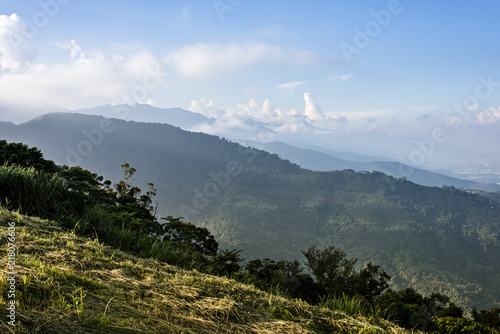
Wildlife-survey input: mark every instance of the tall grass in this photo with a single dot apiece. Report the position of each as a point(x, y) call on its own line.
point(32, 192)
point(108, 229)
point(353, 305)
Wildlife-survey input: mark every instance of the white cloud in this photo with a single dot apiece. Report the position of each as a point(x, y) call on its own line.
point(84, 81)
point(206, 108)
point(75, 49)
point(253, 118)
point(488, 117)
point(343, 77)
point(15, 53)
point(312, 110)
point(291, 85)
point(254, 110)
point(205, 59)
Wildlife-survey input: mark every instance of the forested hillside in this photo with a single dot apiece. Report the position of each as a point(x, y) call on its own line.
point(315, 160)
point(433, 239)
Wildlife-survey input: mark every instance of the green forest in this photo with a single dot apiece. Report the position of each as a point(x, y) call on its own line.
point(123, 216)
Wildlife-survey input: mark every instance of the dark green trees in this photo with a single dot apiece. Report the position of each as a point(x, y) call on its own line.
point(199, 238)
point(332, 274)
point(336, 275)
point(22, 155)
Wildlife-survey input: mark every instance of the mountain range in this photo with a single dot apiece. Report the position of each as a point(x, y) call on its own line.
point(317, 158)
point(431, 238)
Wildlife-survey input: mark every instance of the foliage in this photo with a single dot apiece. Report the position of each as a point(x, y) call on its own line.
point(82, 201)
point(22, 155)
point(287, 276)
point(226, 262)
point(336, 275)
point(489, 318)
point(435, 313)
point(371, 281)
point(33, 192)
point(175, 230)
point(353, 305)
point(451, 325)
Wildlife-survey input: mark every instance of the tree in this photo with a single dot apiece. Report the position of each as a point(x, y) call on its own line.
point(227, 262)
point(487, 318)
point(371, 281)
point(87, 186)
point(333, 271)
point(262, 270)
point(140, 207)
point(291, 278)
point(199, 238)
point(24, 156)
point(412, 310)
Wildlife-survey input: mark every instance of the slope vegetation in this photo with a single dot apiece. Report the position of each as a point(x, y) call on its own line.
point(70, 284)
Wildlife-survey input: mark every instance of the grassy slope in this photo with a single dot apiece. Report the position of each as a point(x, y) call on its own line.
point(69, 284)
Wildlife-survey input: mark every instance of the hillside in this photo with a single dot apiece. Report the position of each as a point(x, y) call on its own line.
point(69, 284)
point(433, 239)
point(315, 160)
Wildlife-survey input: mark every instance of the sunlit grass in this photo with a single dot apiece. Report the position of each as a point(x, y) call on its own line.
point(69, 284)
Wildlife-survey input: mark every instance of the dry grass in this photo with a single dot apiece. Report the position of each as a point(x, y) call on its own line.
point(68, 284)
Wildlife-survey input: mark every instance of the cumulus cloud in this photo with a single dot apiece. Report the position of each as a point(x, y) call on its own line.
point(264, 112)
point(255, 116)
point(205, 59)
point(206, 108)
point(488, 117)
point(312, 110)
point(255, 120)
point(15, 53)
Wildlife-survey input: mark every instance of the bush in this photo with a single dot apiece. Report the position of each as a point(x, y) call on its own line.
point(33, 192)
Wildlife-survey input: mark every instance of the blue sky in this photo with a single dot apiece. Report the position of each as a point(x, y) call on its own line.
point(281, 63)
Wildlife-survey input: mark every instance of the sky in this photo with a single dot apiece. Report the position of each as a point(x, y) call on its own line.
point(412, 80)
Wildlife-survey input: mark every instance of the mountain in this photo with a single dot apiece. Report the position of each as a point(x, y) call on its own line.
point(70, 284)
point(146, 113)
point(315, 160)
point(430, 238)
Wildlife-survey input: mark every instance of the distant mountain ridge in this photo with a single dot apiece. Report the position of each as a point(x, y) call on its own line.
point(306, 158)
point(315, 160)
point(149, 114)
point(430, 238)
